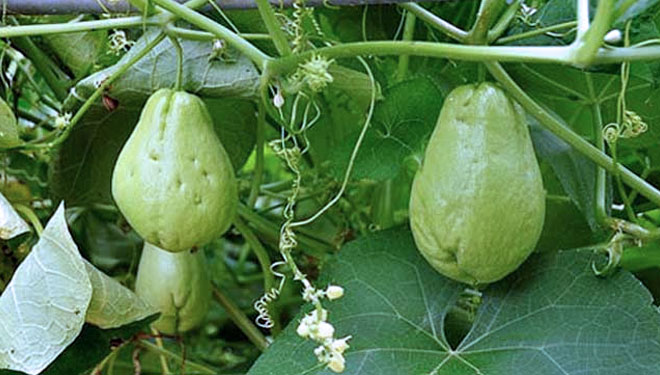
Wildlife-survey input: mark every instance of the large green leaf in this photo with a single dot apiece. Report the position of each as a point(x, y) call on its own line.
point(203, 75)
point(42, 310)
point(552, 316)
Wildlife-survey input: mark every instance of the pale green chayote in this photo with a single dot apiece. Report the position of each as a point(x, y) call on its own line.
point(177, 285)
point(477, 204)
point(173, 180)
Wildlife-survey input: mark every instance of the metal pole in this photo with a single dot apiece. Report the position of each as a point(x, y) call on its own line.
point(122, 6)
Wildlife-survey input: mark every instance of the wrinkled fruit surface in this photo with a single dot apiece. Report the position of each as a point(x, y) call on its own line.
point(477, 204)
point(177, 284)
point(173, 180)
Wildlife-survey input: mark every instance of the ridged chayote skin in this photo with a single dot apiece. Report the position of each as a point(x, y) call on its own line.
point(173, 180)
point(177, 284)
point(477, 204)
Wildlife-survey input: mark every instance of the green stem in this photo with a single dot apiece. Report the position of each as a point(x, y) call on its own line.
point(601, 173)
point(99, 91)
point(205, 23)
point(61, 28)
point(442, 25)
point(259, 156)
point(240, 319)
point(627, 203)
point(259, 251)
point(274, 28)
point(587, 43)
point(408, 34)
point(536, 32)
point(57, 80)
point(487, 10)
point(563, 132)
point(503, 23)
point(177, 357)
point(31, 216)
point(178, 83)
point(429, 49)
point(206, 36)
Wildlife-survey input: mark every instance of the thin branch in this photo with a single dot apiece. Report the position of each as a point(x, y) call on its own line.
point(122, 6)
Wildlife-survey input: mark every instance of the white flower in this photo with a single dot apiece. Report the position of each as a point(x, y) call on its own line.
point(63, 120)
point(319, 318)
point(334, 292)
point(324, 330)
point(337, 363)
point(303, 329)
point(340, 345)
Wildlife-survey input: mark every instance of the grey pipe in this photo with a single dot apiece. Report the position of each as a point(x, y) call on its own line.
point(122, 6)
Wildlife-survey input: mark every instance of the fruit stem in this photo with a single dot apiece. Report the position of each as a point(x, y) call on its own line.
point(408, 34)
point(179, 61)
point(240, 319)
point(257, 175)
point(259, 251)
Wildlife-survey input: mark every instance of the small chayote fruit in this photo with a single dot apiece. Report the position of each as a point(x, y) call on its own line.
point(173, 180)
point(177, 284)
point(477, 204)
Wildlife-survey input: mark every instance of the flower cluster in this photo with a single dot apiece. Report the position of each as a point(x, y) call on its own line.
point(313, 74)
point(63, 120)
point(315, 326)
point(118, 42)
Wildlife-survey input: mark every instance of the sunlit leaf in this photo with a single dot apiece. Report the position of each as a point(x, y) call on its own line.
point(11, 224)
point(43, 308)
point(113, 305)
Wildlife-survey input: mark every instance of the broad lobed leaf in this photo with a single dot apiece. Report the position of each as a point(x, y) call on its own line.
point(552, 316)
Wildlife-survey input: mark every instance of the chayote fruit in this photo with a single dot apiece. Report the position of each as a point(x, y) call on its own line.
point(477, 204)
point(173, 180)
point(177, 284)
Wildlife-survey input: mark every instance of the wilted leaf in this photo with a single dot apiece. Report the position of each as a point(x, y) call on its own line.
point(11, 224)
point(113, 305)
point(43, 308)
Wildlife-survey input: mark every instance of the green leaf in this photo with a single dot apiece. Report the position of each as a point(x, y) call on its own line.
point(78, 51)
point(235, 123)
point(552, 316)
point(8, 127)
point(43, 308)
point(113, 305)
point(400, 127)
point(202, 74)
point(81, 169)
point(576, 173)
point(11, 224)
